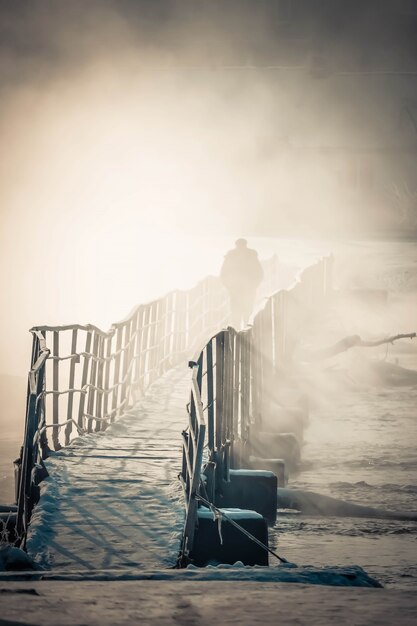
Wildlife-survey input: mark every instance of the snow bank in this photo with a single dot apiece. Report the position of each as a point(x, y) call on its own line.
point(13, 559)
point(353, 576)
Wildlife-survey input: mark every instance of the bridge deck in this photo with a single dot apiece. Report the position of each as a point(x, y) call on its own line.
point(113, 498)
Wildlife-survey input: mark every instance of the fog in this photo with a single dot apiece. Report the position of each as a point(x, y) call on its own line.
point(140, 139)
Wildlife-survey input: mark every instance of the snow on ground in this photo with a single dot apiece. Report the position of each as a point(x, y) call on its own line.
point(113, 499)
point(195, 603)
point(360, 447)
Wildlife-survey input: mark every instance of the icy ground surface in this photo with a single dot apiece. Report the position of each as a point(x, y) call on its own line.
point(201, 604)
point(361, 444)
point(113, 499)
point(360, 448)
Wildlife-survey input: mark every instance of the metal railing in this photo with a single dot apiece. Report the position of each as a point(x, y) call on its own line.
point(82, 378)
point(231, 376)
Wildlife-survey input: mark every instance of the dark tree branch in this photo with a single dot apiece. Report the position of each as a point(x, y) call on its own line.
point(357, 342)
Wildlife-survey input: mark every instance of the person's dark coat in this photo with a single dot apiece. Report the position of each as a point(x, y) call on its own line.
point(241, 270)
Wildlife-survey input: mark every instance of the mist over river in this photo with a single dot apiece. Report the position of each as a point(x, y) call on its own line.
point(360, 445)
point(361, 449)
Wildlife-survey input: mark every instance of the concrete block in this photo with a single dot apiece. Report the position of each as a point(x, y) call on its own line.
point(278, 419)
point(236, 546)
point(283, 445)
point(276, 466)
point(251, 489)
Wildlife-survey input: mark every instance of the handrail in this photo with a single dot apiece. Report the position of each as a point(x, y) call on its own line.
point(232, 374)
point(86, 327)
point(90, 377)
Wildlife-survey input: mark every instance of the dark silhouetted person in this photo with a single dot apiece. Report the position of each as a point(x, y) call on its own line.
point(241, 274)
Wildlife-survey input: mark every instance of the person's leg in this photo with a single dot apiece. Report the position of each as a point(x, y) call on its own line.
point(235, 310)
point(247, 305)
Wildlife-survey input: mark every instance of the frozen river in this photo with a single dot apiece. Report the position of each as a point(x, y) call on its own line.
point(360, 449)
point(361, 444)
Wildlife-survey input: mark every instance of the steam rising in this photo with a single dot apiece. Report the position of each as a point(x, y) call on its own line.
point(141, 140)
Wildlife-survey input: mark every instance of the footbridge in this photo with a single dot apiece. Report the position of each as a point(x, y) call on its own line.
point(102, 482)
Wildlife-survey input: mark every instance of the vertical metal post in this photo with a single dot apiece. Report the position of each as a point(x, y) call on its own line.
point(254, 372)
point(193, 431)
point(55, 388)
point(210, 395)
point(100, 425)
point(188, 308)
point(145, 348)
point(26, 469)
point(226, 405)
point(126, 362)
point(93, 382)
point(137, 355)
point(116, 372)
point(131, 359)
point(219, 403)
point(160, 336)
point(182, 328)
point(108, 344)
point(74, 360)
point(236, 393)
point(84, 378)
point(153, 342)
point(267, 383)
point(43, 439)
point(245, 386)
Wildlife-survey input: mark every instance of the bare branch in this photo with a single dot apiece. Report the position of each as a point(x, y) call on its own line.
point(357, 342)
point(373, 344)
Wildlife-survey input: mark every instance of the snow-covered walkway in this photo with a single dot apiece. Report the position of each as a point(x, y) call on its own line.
point(113, 499)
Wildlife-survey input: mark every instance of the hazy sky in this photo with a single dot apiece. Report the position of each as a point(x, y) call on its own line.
point(137, 143)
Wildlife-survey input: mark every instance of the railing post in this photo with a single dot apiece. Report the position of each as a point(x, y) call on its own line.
point(210, 395)
point(84, 379)
point(116, 372)
point(145, 348)
point(180, 324)
point(100, 425)
point(137, 354)
point(24, 497)
point(220, 426)
point(255, 370)
point(236, 392)
point(245, 384)
point(219, 389)
point(153, 348)
point(55, 388)
point(74, 360)
point(93, 383)
point(108, 343)
point(160, 336)
point(126, 363)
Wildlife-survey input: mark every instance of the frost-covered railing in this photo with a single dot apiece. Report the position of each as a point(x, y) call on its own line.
point(82, 378)
point(219, 383)
point(232, 378)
